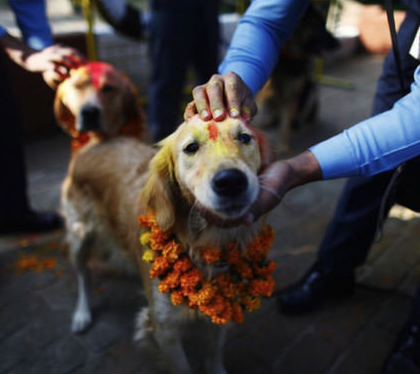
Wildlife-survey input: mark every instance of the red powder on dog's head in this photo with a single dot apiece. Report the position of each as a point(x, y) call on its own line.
point(97, 70)
point(213, 130)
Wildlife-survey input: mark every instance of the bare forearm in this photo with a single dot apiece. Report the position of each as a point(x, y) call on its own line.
point(304, 168)
point(16, 49)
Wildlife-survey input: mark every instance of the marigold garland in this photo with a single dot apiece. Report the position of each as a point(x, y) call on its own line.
point(223, 298)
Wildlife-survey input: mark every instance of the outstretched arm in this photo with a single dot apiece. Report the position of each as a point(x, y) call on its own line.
point(252, 55)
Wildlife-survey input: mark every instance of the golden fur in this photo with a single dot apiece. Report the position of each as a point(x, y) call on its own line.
point(111, 183)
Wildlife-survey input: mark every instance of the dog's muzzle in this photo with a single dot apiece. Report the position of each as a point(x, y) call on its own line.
point(229, 183)
point(90, 119)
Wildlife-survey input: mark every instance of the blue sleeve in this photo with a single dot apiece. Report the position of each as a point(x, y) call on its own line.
point(377, 144)
point(260, 34)
point(32, 21)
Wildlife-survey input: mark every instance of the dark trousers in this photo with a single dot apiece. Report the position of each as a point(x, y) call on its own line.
point(13, 198)
point(184, 33)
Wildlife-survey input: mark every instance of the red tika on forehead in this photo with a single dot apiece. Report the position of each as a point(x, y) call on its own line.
point(213, 130)
point(97, 70)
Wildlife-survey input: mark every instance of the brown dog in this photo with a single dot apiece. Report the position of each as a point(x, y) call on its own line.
point(95, 102)
point(209, 168)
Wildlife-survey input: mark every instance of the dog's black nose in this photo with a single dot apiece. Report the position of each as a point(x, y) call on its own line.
point(229, 182)
point(90, 118)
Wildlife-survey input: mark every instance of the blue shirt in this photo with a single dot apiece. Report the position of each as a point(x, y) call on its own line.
point(375, 145)
point(32, 21)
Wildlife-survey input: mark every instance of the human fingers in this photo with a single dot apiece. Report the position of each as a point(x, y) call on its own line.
point(190, 110)
point(215, 93)
point(201, 102)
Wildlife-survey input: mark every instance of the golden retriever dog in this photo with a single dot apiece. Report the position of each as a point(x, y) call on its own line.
point(202, 170)
point(97, 101)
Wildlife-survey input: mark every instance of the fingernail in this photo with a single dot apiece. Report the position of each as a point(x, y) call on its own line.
point(234, 112)
point(204, 113)
point(217, 113)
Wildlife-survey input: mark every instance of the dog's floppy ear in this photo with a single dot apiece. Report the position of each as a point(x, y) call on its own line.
point(266, 151)
point(63, 116)
point(132, 108)
point(157, 195)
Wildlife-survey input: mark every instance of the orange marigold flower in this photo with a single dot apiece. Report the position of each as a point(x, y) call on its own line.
point(172, 279)
point(171, 250)
point(265, 271)
point(225, 316)
point(243, 269)
point(237, 314)
point(163, 287)
point(227, 287)
point(148, 220)
point(261, 287)
point(215, 307)
point(191, 278)
point(210, 255)
point(177, 298)
point(183, 265)
point(192, 298)
point(232, 254)
point(206, 293)
point(251, 303)
point(160, 266)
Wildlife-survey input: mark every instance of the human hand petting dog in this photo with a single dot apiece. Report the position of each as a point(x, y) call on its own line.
point(224, 94)
point(54, 62)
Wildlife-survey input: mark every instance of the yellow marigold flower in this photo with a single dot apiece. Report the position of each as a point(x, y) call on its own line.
point(251, 303)
point(160, 266)
point(177, 298)
point(145, 238)
point(261, 287)
point(210, 255)
point(206, 293)
point(237, 314)
point(148, 255)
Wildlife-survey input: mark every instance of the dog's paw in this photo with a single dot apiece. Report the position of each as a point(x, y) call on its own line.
point(81, 321)
point(143, 325)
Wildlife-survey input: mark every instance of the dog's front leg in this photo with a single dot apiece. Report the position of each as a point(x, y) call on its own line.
point(80, 242)
point(170, 343)
point(216, 341)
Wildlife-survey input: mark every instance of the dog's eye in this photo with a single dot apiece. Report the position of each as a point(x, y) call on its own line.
point(107, 88)
point(245, 138)
point(191, 148)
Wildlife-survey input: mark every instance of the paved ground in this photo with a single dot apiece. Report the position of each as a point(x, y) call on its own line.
point(351, 337)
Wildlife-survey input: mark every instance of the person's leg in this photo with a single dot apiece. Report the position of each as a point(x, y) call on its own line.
point(169, 50)
point(13, 198)
point(352, 229)
point(15, 213)
point(206, 40)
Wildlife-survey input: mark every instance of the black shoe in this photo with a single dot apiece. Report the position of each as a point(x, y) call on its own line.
point(314, 288)
point(405, 356)
point(31, 222)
